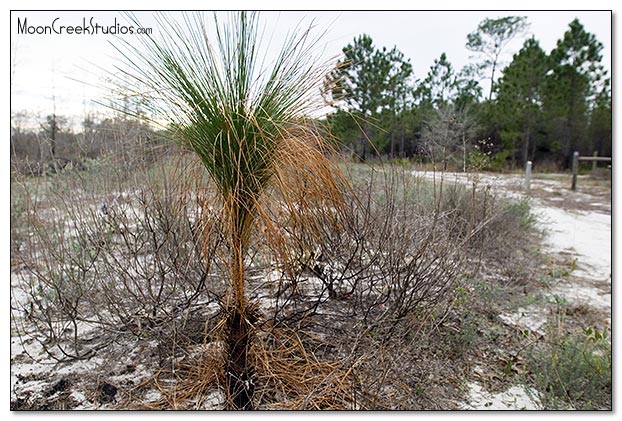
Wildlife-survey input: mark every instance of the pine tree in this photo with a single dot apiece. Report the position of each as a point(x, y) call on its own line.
point(600, 134)
point(571, 88)
point(367, 83)
point(491, 38)
point(519, 101)
point(439, 85)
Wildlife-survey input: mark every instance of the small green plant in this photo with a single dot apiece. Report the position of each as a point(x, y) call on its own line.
point(573, 370)
point(479, 161)
point(567, 271)
point(520, 210)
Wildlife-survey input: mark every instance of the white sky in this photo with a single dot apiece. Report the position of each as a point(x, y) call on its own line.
point(48, 66)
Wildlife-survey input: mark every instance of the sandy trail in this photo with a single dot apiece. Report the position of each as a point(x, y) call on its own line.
point(577, 224)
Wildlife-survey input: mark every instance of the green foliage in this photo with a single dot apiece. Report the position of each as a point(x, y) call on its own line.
point(215, 103)
point(369, 79)
point(479, 161)
point(519, 100)
point(373, 86)
point(520, 212)
point(574, 370)
point(344, 128)
point(443, 85)
point(438, 86)
point(546, 105)
point(599, 131)
point(499, 160)
point(575, 74)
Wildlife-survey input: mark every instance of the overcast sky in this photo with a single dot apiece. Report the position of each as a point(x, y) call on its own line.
point(65, 66)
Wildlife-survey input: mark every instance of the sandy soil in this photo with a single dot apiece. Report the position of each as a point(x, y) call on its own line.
point(577, 227)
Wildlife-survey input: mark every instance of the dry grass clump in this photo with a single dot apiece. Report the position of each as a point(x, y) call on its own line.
point(287, 375)
point(291, 376)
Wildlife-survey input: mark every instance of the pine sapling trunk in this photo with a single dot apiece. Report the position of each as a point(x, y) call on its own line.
point(239, 370)
point(240, 323)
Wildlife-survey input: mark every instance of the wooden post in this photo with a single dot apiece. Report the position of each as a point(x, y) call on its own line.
point(575, 170)
point(594, 162)
point(528, 175)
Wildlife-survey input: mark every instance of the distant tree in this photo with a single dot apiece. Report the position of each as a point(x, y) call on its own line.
point(490, 39)
point(468, 91)
point(344, 129)
point(572, 86)
point(600, 134)
point(439, 85)
point(51, 129)
point(25, 144)
point(443, 85)
point(399, 99)
point(368, 81)
point(520, 95)
point(448, 134)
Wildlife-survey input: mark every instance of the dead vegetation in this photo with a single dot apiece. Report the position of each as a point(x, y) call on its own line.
point(367, 313)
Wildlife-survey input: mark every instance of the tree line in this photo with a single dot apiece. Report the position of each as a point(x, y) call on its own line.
point(46, 145)
point(540, 107)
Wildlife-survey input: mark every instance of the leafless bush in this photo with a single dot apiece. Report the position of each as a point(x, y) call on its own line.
point(402, 248)
point(129, 260)
point(448, 134)
point(392, 254)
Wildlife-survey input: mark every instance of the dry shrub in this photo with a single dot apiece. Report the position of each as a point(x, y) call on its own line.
point(389, 255)
point(348, 323)
point(133, 259)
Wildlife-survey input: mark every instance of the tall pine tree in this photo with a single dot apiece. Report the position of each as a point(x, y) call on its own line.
point(491, 38)
point(572, 84)
point(367, 83)
point(519, 100)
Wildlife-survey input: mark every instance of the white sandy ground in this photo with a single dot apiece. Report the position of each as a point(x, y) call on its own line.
point(584, 237)
point(515, 398)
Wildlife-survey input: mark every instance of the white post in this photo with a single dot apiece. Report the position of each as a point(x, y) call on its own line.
point(575, 170)
point(528, 175)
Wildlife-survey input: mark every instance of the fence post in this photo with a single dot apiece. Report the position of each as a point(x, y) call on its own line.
point(528, 175)
point(575, 170)
point(594, 162)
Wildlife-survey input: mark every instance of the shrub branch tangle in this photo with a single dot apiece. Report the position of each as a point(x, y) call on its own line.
point(248, 127)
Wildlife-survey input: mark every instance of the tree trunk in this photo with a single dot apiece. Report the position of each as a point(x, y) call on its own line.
point(463, 153)
point(239, 369)
point(402, 153)
point(364, 140)
point(569, 137)
point(533, 148)
point(240, 322)
point(393, 128)
point(526, 137)
point(492, 79)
